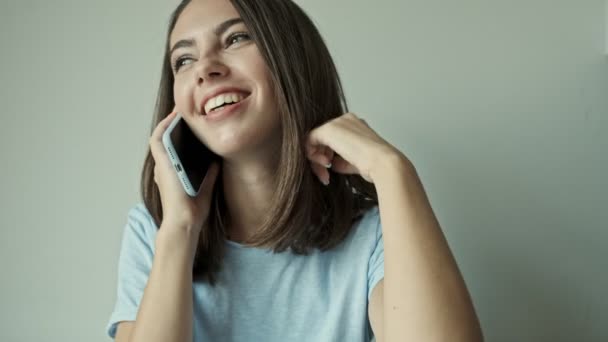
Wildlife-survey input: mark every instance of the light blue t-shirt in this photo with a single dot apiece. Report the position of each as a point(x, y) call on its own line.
point(262, 296)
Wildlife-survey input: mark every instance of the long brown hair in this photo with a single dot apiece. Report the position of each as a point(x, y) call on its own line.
point(303, 213)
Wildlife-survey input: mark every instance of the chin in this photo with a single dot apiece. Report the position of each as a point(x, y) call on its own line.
point(233, 146)
point(244, 147)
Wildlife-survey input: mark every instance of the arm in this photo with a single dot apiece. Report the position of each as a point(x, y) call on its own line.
point(424, 297)
point(165, 313)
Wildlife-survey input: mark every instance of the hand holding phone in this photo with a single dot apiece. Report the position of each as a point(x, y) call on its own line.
point(188, 155)
point(181, 208)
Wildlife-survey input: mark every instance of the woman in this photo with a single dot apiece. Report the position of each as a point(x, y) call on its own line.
point(283, 241)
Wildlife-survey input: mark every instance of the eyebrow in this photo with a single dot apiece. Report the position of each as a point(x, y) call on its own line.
point(218, 31)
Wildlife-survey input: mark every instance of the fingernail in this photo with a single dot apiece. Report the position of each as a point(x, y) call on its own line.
point(328, 166)
point(326, 183)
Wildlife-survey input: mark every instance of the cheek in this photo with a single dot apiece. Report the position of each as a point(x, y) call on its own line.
point(180, 95)
point(260, 72)
point(268, 91)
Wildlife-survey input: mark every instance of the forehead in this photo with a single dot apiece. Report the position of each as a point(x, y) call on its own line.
point(200, 17)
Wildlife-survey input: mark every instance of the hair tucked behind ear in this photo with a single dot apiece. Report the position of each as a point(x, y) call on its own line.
point(303, 214)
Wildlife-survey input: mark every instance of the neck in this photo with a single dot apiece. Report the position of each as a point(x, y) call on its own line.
point(248, 188)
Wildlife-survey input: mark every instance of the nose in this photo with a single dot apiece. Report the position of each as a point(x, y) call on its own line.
point(210, 68)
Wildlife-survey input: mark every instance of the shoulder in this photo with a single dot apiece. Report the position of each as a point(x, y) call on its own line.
point(369, 223)
point(140, 226)
point(140, 213)
point(365, 231)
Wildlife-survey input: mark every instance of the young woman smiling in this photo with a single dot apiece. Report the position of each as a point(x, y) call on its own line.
point(310, 228)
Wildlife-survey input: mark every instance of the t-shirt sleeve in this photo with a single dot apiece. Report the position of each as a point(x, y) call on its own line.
point(134, 265)
point(376, 262)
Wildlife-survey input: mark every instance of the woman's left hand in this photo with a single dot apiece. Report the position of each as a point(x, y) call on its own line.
point(350, 146)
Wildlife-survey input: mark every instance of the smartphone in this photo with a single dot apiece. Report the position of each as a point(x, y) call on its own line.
point(190, 157)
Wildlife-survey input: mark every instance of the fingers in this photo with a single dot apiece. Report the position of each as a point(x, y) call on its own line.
point(339, 165)
point(321, 172)
point(322, 155)
point(321, 158)
point(329, 153)
point(155, 142)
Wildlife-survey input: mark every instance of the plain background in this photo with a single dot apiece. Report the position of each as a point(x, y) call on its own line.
point(501, 105)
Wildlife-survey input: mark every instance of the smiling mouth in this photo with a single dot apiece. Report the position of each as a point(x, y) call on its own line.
point(223, 100)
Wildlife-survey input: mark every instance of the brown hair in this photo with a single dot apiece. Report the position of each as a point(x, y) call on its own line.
point(303, 213)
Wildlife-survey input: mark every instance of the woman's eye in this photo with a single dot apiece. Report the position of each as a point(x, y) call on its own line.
point(232, 39)
point(179, 62)
point(237, 37)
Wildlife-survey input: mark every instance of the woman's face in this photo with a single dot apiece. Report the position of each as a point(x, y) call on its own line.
point(212, 54)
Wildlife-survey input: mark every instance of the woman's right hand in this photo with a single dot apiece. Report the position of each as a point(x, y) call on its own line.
point(179, 209)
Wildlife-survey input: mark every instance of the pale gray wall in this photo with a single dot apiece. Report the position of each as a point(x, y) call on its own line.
point(502, 106)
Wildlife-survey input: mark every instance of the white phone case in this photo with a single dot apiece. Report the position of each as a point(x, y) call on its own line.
point(177, 164)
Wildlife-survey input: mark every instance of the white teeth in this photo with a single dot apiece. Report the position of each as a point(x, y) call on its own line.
point(221, 99)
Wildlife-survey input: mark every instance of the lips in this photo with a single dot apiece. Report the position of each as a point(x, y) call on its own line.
point(225, 99)
point(220, 96)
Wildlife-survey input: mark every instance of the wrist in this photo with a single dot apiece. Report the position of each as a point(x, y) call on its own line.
point(177, 241)
point(390, 164)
